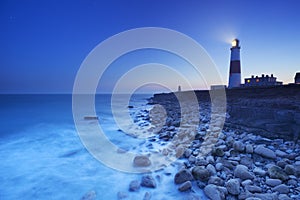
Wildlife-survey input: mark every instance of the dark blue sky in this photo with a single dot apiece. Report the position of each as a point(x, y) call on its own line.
point(43, 43)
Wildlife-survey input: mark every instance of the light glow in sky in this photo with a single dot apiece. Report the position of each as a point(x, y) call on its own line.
point(43, 43)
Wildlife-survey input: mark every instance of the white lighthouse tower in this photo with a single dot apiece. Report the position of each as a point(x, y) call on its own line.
point(235, 65)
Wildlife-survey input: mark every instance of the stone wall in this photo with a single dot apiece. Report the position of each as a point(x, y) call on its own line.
point(273, 112)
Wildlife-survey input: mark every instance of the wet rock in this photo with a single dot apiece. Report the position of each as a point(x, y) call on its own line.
point(201, 184)
point(238, 146)
point(249, 148)
point(185, 186)
point(147, 196)
point(213, 192)
point(259, 171)
point(281, 163)
point(253, 189)
point(141, 161)
point(281, 153)
point(273, 182)
point(187, 152)
point(148, 181)
point(265, 152)
point(216, 181)
point(266, 196)
point(246, 161)
point(201, 162)
point(219, 166)
point(134, 186)
point(282, 189)
point(292, 182)
point(276, 172)
point(246, 182)
point(211, 169)
point(242, 172)
point(289, 169)
point(200, 173)
point(210, 159)
point(122, 195)
point(218, 152)
point(91, 195)
point(233, 186)
point(183, 176)
point(284, 197)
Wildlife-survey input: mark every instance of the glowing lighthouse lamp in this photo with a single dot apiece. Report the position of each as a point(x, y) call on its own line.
point(235, 65)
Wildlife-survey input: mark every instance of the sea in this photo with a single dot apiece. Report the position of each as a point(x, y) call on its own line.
point(42, 156)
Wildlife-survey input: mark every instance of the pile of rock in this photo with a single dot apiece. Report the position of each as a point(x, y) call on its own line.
point(243, 166)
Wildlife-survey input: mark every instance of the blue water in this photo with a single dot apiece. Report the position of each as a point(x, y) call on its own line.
point(42, 156)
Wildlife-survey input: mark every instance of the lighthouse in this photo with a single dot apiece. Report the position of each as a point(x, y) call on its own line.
point(235, 65)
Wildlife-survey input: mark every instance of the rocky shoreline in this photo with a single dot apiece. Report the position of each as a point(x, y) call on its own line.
point(233, 162)
point(240, 165)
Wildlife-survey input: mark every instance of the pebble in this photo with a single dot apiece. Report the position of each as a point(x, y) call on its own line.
point(277, 173)
point(122, 195)
point(249, 148)
point(183, 176)
point(219, 166)
point(185, 186)
point(211, 169)
point(141, 161)
point(259, 171)
point(200, 173)
point(273, 182)
point(253, 189)
point(216, 181)
point(148, 181)
point(282, 189)
point(242, 172)
point(284, 197)
point(213, 192)
point(91, 195)
point(134, 186)
point(238, 146)
point(265, 152)
point(246, 182)
point(233, 186)
point(147, 196)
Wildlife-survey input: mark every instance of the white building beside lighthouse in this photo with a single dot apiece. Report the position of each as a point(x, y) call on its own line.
point(235, 65)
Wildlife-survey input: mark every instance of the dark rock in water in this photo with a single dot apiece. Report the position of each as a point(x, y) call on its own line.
point(183, 176)
point(276, 172)
point(91, 195)
point(122, 195)
point(147, 196)
point(134, 186)
point(141, 161)
point(148, 181)
point(91, 117)
point(130, 106)
point(200, 173)
point(185, 186)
